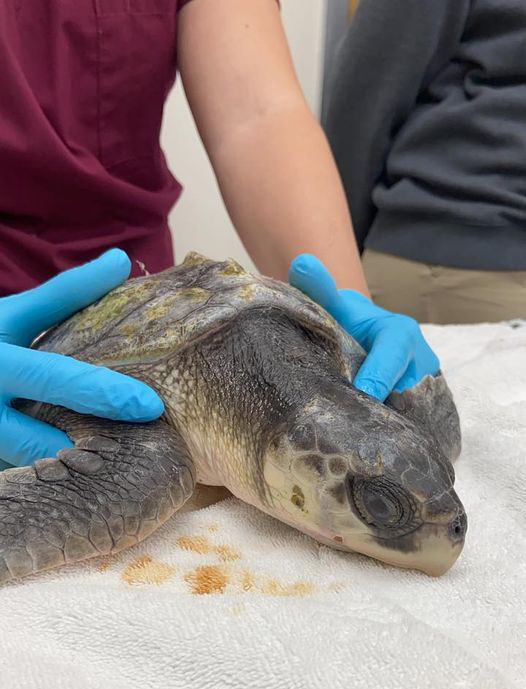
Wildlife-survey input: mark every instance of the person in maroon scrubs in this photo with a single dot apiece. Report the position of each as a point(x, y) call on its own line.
point(82, 89)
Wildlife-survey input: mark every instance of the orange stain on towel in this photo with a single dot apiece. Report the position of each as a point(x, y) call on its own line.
point(196, 544)
point(247, 581)
point(226, 553)
point(201, 545)
point(146, 570)
point(104, 562)
point(207, 579)
point(272, 587)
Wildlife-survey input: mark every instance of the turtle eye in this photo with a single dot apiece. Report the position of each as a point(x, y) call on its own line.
point(380, 508)
point(380, 503)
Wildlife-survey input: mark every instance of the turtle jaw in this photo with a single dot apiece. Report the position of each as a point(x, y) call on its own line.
point(431, 548)
point(434, 551)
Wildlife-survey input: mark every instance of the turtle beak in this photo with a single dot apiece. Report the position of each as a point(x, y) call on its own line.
point(442, 545)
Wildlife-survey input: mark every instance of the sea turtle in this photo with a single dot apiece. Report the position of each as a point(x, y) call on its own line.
point(256, 380)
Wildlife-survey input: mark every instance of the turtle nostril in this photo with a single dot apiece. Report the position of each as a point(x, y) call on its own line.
point(458, 527)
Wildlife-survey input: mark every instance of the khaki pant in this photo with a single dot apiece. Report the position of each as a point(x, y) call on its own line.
point(436, 294)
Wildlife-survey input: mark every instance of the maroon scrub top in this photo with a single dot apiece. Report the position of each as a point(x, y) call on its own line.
point(82, 89)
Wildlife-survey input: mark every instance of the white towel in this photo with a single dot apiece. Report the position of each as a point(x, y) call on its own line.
point(226, 597)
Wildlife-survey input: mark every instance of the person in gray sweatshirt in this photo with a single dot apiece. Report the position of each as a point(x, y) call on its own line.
point(427, 120)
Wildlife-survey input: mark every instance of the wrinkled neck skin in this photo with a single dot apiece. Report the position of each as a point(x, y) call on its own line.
point(233, 393)
point(264, 405)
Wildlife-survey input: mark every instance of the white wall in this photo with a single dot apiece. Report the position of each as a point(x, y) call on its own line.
point(199, 221)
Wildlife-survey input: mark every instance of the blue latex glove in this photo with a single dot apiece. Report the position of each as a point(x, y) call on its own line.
point(398, 355)
point(57, 379)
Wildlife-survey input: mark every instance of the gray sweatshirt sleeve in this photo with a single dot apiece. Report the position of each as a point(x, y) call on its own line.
point(391, 51)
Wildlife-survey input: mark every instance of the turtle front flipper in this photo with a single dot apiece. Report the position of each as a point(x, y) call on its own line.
point(114, 488)
point(430, 404)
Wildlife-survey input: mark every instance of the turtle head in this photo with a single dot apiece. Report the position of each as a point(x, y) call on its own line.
point(357, 475)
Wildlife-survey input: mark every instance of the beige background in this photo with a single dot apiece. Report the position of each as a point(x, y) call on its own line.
point(199, 221)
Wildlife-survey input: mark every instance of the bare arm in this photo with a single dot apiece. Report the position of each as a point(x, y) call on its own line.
point(272, 161)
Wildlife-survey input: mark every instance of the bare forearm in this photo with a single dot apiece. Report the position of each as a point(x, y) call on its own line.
point(284, 196)
point(271, 158)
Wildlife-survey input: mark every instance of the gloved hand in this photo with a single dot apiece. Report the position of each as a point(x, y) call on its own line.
point(398, 355)
point(57, 379)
